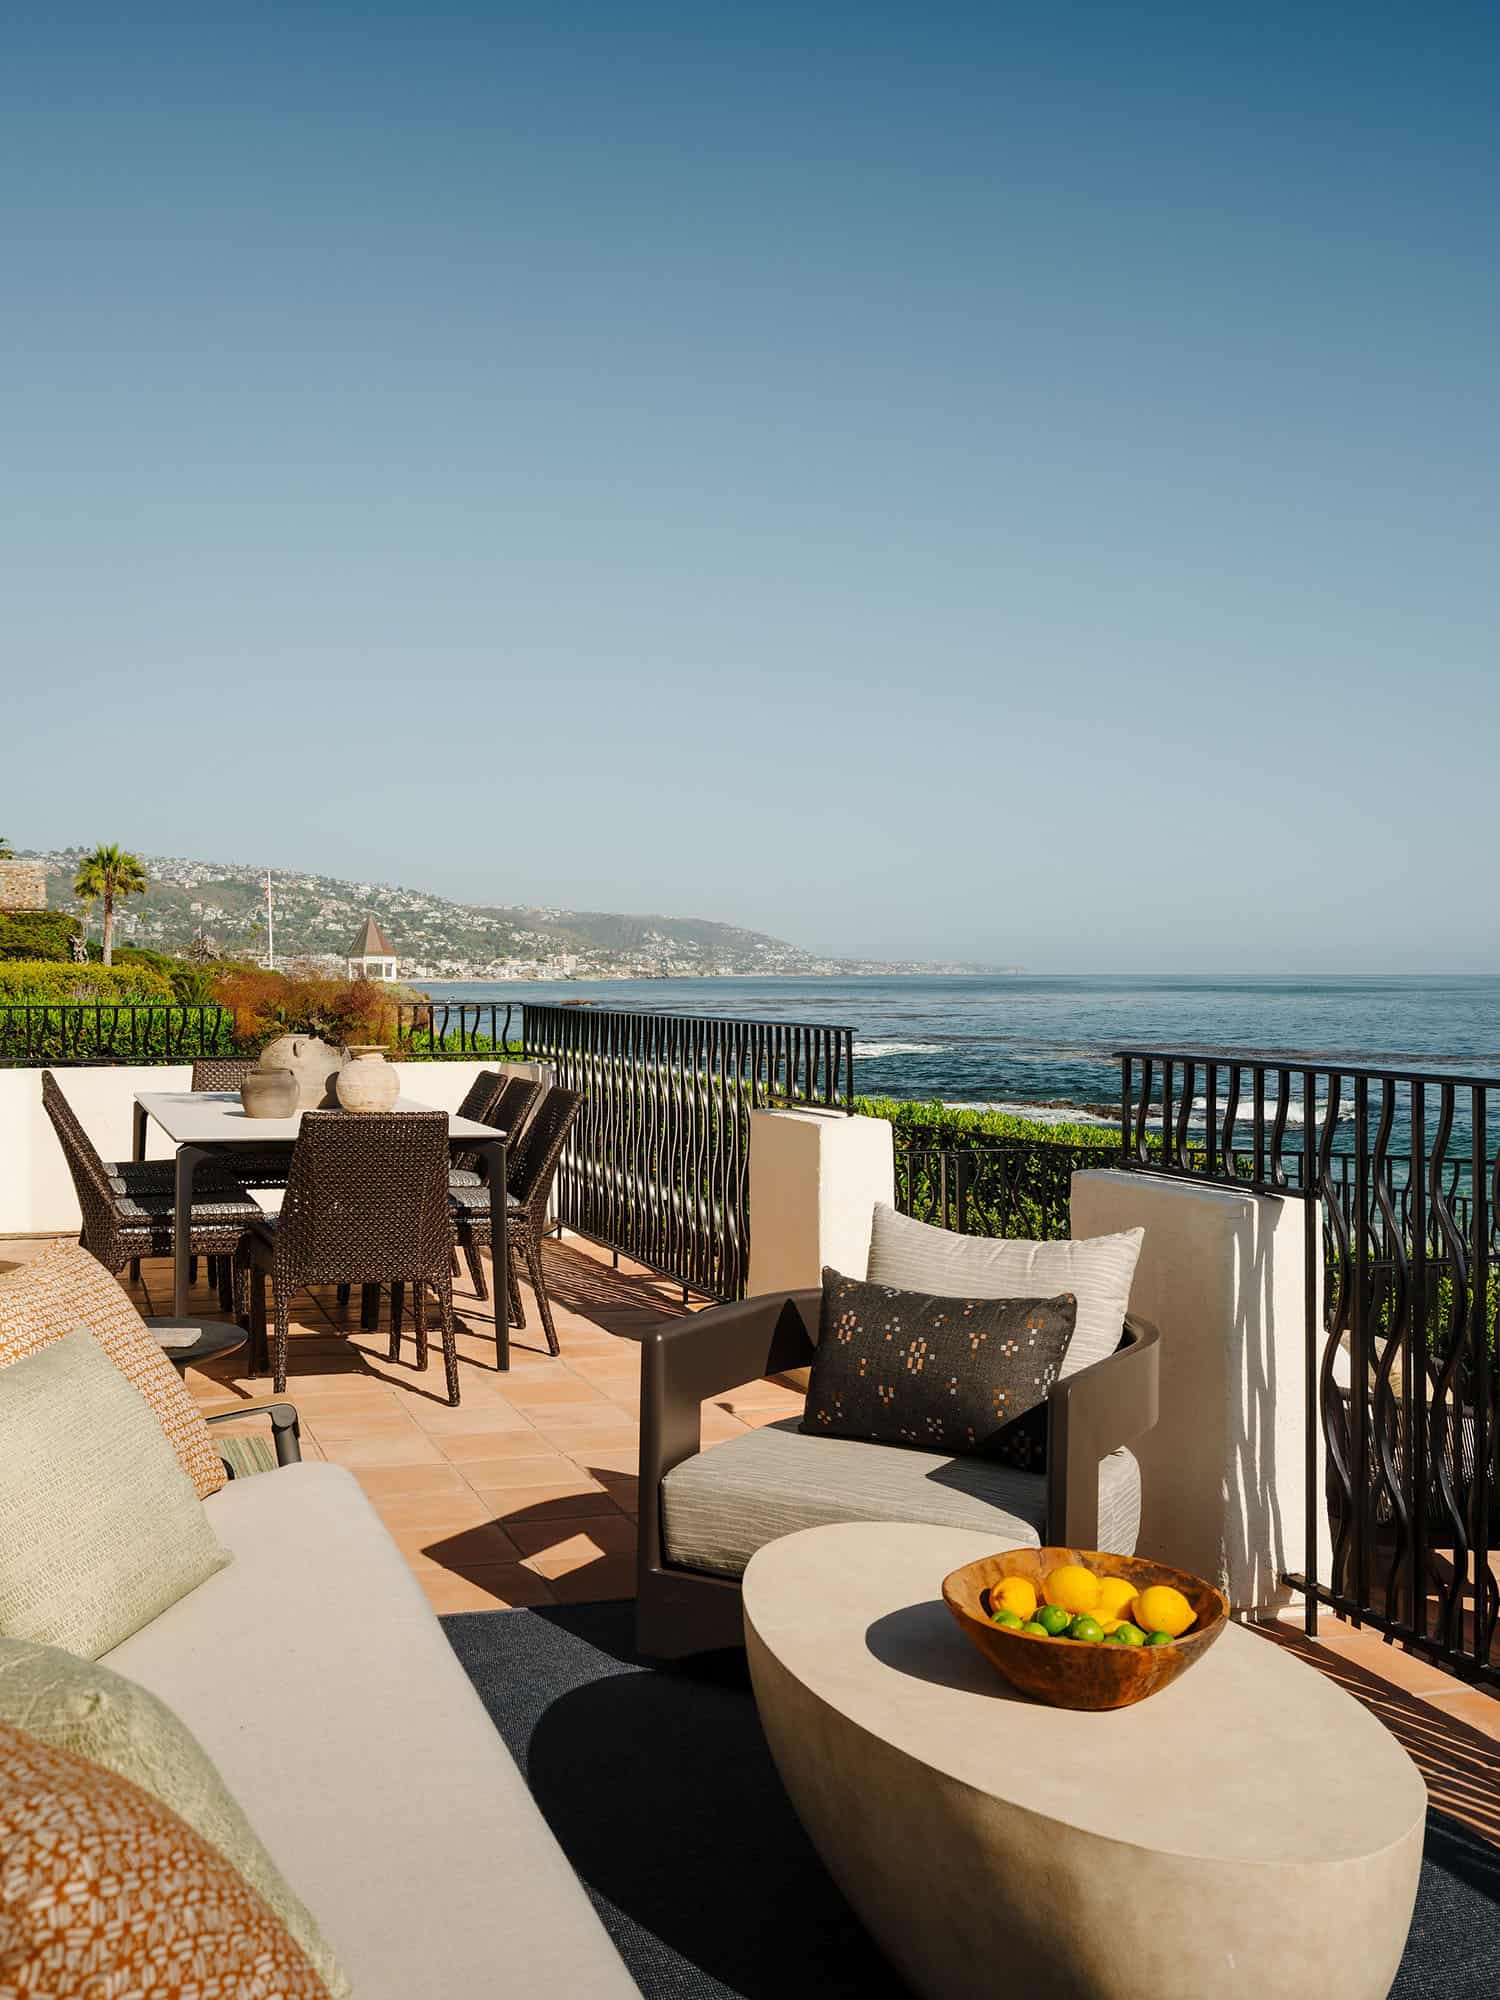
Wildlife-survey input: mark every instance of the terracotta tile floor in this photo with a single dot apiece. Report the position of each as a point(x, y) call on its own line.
point(526, 1494)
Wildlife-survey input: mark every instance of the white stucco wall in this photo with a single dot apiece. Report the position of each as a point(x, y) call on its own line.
point(1223, 1473)
point(815, 1177)
point(36, 1195)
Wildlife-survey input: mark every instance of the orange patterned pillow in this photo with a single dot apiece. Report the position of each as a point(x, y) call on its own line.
point(65, 1288)
point(105, 1891)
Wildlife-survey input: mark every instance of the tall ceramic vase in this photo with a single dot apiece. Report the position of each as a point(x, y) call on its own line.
point(314, 1063)
point(367, 1082)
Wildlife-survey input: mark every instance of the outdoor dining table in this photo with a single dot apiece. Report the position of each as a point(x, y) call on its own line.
point(205, 1124)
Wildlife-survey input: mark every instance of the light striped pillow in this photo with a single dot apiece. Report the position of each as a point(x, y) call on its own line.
point(1098, 1270)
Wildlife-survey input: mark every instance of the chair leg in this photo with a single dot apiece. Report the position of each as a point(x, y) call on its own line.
point(343, 1297)
point(258, 1357)
point(513, 1282)
point(224, 1278)
point(450, 1339)
point(135, 1270)
point(419, 1321)
point(476, 1268)
point(192, 1270)
point(539, 1286)
point(283, 1334)
point(398, 1302)
point(369, 1308)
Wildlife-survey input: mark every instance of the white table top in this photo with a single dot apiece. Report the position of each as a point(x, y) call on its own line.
point(217, 1118)
point(1251, 1755)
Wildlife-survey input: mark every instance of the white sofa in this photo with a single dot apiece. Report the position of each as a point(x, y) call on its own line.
point(316, 1677)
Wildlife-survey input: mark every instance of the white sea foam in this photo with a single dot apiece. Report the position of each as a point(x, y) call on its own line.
point(1244, 1121)
point(1039, 1114)
point(873, 1049)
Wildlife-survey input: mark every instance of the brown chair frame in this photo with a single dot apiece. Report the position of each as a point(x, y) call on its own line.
point(687, 1361)
point(531, 1171)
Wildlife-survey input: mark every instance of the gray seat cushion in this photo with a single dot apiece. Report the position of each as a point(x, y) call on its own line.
point(315, 1676)
point(720, 1507)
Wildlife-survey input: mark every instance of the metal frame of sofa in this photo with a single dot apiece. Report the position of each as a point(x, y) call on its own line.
point(686, 1361)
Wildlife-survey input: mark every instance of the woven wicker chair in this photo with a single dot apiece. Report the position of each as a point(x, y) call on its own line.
point(511, 1113)
point(366, 1204)
point(252, 1169)
point(531, 1173)
point(129, 1206)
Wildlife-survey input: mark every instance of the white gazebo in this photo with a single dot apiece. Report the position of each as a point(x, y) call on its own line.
point(370, 955)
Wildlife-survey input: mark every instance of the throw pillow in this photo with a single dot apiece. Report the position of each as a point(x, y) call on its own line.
point(79, 1706)
point(917, 1368)
point(104, 1891)
point(100, 1529)
point(44, 1300)
point(1097, 1270)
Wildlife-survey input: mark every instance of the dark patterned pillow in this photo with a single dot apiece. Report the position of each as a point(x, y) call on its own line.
point(939, 1374)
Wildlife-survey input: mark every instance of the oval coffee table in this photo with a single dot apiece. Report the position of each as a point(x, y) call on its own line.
point(1249, 1830)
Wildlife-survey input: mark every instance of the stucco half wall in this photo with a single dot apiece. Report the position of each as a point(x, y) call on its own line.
point(1221, 1273)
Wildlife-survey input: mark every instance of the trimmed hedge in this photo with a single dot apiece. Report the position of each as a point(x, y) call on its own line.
point(952, 1127)
point(45, 983)
point(38, 934)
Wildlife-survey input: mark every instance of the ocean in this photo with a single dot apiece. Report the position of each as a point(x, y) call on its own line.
point(1041, 1046)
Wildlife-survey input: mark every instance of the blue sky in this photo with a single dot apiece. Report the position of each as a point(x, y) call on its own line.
point(922, 480)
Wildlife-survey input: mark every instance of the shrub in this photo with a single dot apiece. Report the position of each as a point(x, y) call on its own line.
point(954, 1127)
point(38, 934)
point(43, 982)
point(267, 1004)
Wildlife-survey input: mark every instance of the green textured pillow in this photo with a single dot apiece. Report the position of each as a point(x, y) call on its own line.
point(100, 1529)
point(76, 1705)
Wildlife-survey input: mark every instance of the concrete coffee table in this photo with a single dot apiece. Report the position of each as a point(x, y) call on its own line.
point(1250, 1830)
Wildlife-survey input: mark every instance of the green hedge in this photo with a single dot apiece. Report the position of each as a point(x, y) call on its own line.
point(949, 1126)
point(38, 934)
point(45, 983)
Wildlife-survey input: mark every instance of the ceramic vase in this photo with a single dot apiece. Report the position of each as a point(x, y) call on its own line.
point(313, 1063)
point(367, 1082)
point(269, 1093)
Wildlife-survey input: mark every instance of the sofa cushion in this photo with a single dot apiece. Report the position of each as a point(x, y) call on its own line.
point(88, 1709)
point(44, 1299)
point(719, 1507)
point(935, 1372)
point(1097, 1269)
point(316, 1677)
point(107, 1892)
point(100, 1529)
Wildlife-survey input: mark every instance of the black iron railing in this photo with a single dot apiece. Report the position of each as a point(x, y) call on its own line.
point(457, 1027)
point(1400, 1181)
point(75, 1034)
point(658, 1164)
point(1020, 1190)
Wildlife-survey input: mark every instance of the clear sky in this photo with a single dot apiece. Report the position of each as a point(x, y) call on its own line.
point(997, 481)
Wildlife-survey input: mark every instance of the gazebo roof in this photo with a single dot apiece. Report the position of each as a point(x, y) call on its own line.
point(372, 942)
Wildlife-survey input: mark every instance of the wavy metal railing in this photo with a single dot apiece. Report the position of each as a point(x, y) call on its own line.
point(75, 1034)
point(456, 1027)
point(1400, 1186)
point(658, 1163)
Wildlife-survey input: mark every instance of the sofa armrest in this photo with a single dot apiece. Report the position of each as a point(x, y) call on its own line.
point(286, 1427)
point(685, 1361)
point(1090, 1415)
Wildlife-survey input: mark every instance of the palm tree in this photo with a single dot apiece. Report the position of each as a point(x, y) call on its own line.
point(5, 853)
point(109, 876)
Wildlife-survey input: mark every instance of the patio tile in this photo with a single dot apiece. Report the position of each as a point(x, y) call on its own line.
point(554, 1549)
point(518, 1505)
point(614, 1577)
point(613, 1439)
point(543, 1468)
point(408, 1447)
point(1479, 1710)
point(436, 1477)
point(503, 1587)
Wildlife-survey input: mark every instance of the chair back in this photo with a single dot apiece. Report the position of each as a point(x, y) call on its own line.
point(221, 1072)
point(480, 1095)
point(91, 1182)
point(513, 1108)
point(366, 1199)
point(541, 1148)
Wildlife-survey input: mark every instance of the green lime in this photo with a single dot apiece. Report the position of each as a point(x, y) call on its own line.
point(1036, 1629)
point(1006, 1618)
point(1053, 1620)
point(1086, 1628)
point(1128, 1635)
point(1158, 1639)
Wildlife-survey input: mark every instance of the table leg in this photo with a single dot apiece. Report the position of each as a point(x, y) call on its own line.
point(493, 1155)
point(182, 1225)
point(138, 1133)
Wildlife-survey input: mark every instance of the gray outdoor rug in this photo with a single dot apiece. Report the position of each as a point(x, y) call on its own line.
point(658, 1784)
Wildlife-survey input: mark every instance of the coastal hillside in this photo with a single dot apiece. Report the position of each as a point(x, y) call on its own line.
point(222, 905)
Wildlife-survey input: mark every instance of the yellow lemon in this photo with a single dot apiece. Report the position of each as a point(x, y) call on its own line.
point(1116, 1595)
point(1014, 1593)
point(1073, 1587)
point(1163, 1609)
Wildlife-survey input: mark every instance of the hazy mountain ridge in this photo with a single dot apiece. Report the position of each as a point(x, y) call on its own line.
point(434, 937)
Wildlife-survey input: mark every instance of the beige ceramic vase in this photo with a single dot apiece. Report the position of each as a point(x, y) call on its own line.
point(314, 1063)
point(269, 1093)
point(367, 1082)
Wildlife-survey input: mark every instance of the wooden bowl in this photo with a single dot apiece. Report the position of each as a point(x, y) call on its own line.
point(1069, 1673)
